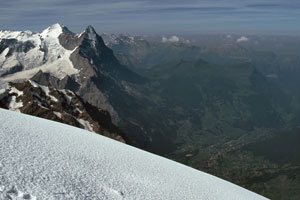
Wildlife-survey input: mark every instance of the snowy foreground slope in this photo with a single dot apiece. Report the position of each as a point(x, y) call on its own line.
point(41, 159)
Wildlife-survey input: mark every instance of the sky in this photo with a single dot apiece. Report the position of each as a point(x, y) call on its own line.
point(155, 16)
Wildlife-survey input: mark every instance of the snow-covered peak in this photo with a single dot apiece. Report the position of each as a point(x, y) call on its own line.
point(52, 31)
point(39, 51)
point(55, 26)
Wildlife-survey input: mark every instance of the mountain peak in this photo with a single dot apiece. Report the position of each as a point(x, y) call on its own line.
point(66, 30)
point(53, 31)
point(90, 29)
point(91, 33)
point(56, 26)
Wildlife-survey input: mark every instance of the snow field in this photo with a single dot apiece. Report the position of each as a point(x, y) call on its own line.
point(49, 160)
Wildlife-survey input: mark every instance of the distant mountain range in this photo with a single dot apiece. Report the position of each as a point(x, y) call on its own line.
point(204, 106)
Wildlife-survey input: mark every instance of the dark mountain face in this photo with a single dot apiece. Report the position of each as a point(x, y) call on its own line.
point(47, 79)
point(93, 58)
point(101, 80)
point(61, 106)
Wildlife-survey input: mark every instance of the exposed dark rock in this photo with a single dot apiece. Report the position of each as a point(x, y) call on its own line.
point(68, 39)
point(12, 70)
point(47, 79)
point(25, 47)
point(61, 106)
point(69, 83)
point(4, 43)
point(14, 45)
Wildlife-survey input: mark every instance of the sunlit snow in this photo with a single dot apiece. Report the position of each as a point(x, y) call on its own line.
point(47, 160)
point(48, 55)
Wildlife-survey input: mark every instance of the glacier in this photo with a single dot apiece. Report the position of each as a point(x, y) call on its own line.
point(47, 54)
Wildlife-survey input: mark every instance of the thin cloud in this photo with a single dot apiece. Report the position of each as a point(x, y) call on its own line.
point(171, 39)
point(269, 5)
point(152, 15)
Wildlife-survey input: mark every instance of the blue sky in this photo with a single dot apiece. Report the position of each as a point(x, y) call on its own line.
point(156, 16)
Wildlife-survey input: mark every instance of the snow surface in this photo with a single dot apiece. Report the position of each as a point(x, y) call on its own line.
point(47, 160)
point(16, 91)
point(53, 58)
point(14, 105)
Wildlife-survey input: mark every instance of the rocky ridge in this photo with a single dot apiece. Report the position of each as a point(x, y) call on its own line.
point(59, 105)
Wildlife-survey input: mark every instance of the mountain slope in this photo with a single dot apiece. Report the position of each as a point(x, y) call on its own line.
point(80, 62)
point(41, 159)
point(23, 53)
point(58, 51)
point(58, 105)
point(212, 103)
